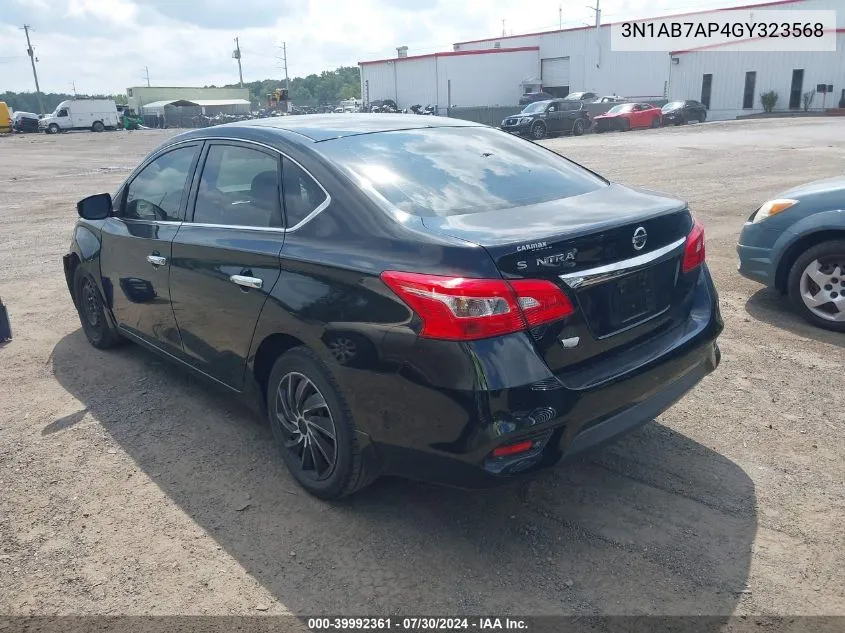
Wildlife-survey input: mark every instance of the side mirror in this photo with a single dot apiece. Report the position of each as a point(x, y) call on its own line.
point(96, 207)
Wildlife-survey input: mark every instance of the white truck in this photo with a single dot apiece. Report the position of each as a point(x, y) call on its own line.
point(81, 114)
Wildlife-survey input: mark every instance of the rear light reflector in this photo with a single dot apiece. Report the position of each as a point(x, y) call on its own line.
point(694, 248)
point(461, 309)
point(513, 449)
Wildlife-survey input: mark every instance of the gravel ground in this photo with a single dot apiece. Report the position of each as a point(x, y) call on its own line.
point(131, 488)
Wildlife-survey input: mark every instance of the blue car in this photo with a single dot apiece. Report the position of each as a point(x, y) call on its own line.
point(795, 242)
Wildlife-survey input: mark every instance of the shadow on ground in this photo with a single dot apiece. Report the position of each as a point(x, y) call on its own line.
point(769, 306)
point(656, 524)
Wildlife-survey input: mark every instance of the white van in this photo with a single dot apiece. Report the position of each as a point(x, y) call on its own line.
point(81, 114)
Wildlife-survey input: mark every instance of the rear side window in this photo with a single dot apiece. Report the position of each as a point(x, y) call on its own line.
point(239, 186)
point(457, 170)
point(156, 192)
point(302, 194)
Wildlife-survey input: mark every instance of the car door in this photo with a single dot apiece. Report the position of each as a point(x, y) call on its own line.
point(135, 255)
point(554, 117)
point(226, 256)
point(642, 117)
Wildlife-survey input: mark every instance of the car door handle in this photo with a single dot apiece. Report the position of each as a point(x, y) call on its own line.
point(157, 260)
point(247, 282)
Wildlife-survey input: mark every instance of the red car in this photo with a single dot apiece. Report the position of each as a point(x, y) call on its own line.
point(627, 116)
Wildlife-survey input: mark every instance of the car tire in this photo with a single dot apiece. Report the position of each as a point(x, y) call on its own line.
point(625, 126)
point(323, 457)
point(702, 117)
point(92, 314)
point(578, 128)
point(655, 122)
point(53, 129)
point(98, 126)
point(538, 131)
point(804, 291)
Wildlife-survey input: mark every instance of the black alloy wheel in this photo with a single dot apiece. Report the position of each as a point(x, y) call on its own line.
point(313, 426)
point(305, 417)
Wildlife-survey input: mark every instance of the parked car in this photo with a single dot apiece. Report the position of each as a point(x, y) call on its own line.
point(510, 309)
point(610, 99)
point(24, 122)
point(795, 243)
point(81, 114)
point(628, 116)
point(532, 97)
point(542, 118)
point(384, 105)
point(680, 112)
point(580, 96)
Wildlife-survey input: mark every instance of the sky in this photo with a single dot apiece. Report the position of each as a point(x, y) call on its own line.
point(103, 46)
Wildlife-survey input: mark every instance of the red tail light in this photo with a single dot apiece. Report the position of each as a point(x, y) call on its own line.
point(461, 309)
point(694, 249)
point(513, 449)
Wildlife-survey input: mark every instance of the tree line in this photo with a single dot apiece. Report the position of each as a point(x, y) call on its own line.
point(330, 86)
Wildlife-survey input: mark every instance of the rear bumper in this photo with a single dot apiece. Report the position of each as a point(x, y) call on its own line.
point(439, 416)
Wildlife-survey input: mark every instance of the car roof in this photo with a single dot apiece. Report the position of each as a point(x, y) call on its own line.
point(323, 127)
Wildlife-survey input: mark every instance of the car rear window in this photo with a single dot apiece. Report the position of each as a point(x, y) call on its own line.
point(457, 170)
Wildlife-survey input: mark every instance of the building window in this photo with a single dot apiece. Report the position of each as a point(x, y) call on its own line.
point(797, 87)
point(748, 94)
point(706, 83)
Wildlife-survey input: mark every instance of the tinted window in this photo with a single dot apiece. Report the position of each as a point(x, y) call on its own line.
point(450, 171)
point(239, 186)
point(537, 106)
point(156, 192)
point(301, 192)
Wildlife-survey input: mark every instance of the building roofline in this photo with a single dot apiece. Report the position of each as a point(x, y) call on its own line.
point(515, 49)
point(710, 47)
point(758, 5)
point(190, 87)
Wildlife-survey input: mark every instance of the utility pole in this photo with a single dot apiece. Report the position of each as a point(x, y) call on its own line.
point(31, 54)
point(237, 55)
point(560, 17)
point(597, 11)
point(503, 28)
point(73, 83)
point(147, 74)
point(285, 62)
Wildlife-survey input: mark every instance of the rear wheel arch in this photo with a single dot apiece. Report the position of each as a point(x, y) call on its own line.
point(794, 250)
point(270, 349)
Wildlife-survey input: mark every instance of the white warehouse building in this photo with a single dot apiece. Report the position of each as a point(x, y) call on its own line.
point(493, 71)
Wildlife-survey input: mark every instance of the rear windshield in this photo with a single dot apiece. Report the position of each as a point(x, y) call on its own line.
point(457, 170)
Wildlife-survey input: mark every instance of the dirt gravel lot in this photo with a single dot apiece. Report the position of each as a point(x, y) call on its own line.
point(129, 487)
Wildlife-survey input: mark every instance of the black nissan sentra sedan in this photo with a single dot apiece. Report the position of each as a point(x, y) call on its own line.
point(402, 295)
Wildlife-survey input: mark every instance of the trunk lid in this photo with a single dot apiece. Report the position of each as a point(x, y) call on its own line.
point(627, 242)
